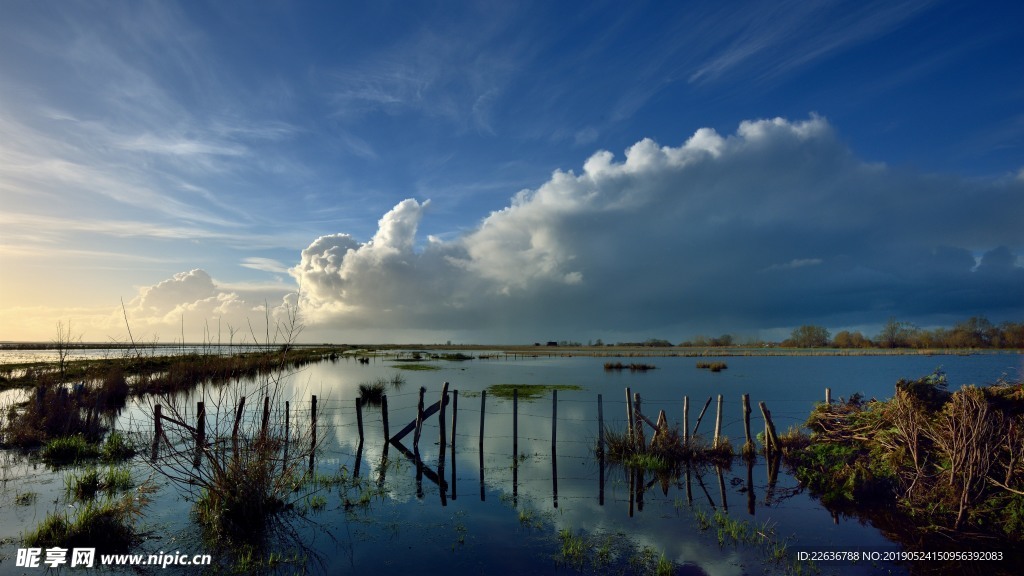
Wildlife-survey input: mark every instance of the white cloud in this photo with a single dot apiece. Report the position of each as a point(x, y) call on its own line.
point(265, 265)
point(679, 237)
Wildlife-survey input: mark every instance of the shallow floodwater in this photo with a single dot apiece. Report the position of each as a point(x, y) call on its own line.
point(504, 517)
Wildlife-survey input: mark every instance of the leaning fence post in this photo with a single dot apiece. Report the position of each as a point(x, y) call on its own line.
point(701, 416)
point(771, 438)
point(419, 421)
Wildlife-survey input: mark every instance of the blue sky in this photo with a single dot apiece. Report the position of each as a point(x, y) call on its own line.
point(834, 163)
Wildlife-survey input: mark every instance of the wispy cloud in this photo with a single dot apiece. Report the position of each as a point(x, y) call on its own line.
point(776, 37)
point(265, 265)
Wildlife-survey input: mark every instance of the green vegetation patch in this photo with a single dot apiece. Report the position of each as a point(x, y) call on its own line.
point(416, 367)
point(528, 391)
point(70, 449)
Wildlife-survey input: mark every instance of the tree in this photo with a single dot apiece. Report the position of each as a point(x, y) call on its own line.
point(896, 334)
point(810, 337)
point(62, 343)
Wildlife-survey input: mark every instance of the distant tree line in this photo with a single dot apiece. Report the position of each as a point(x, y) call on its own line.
point(975, 332)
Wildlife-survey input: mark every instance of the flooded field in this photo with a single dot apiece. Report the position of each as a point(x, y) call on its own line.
point(516, 486)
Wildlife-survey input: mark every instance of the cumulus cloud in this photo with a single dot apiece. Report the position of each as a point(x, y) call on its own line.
point(774, 225)
point(194, 303)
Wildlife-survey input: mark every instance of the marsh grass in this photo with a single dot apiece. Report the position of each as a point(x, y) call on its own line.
point(25, 498)
point(527, 392)
point(632, 367)
point(117, 447)
point(930, 460)
point(665, 453)
point(574, 548)
point(372, 393)
point(417, 367)
point(712, 366)
point(107, 525)
point(70, 449)
point(91, 481)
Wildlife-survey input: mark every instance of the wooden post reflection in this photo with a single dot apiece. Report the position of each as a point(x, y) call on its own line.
point(689, 491)
point(483, 405)
point(554, 452)
point(721, 489)
point(455, 413)
point(750, 486)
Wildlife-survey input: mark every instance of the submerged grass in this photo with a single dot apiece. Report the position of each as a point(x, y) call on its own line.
point(632, 367)
point(528, 391)
point(417, 367)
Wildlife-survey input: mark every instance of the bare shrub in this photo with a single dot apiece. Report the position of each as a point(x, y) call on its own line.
point(966, 434)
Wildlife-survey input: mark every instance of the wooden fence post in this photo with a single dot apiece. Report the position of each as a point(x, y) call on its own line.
point(455, 415)
point(701, 417)
point(828, 396)
point(419, 422)
point(312, 440)
point(630, 438)
point(287, 431)
point(442, 441)
point(157, 431)
point(515, 427)
point(483, 406)
point(686, 421)
point(234, 429)
point(359, 418)
point(200, 433)
point(554, 418)
point(718, 422)
point(771, 438)
point(638, 430)
point(748, 447)
point(384, 418)
point(483, 410)
point(265, 423)
point(600, 426)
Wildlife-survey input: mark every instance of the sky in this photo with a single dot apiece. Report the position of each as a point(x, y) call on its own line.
point(507, 172)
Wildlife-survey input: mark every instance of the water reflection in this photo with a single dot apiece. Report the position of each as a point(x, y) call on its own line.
point(541, 455)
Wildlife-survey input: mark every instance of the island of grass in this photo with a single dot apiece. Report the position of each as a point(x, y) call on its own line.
point(416, 367)
point(528, 391)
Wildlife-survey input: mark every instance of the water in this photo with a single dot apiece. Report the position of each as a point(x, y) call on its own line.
point(505, 518)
